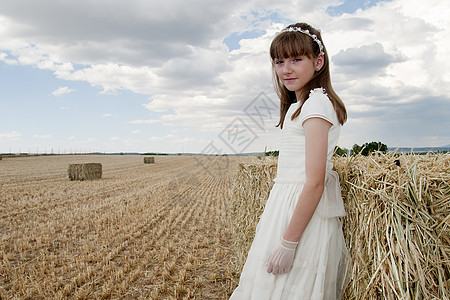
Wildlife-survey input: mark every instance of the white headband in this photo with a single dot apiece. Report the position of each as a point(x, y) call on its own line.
point(312, 35)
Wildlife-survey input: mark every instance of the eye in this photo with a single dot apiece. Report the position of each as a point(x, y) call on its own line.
point(279, 61)
point(297, 59)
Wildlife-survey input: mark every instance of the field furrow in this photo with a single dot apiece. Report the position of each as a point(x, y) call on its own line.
point(143, 231)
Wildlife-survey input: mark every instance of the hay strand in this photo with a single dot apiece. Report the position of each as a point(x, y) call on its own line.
point(397, 224)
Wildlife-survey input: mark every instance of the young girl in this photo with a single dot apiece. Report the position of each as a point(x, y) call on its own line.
point(299, 250)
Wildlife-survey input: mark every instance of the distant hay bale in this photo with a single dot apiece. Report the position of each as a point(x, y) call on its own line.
point(0, 157)
point(89, 171)
point(149, 160)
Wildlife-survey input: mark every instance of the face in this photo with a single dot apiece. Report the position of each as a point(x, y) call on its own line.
point(295, 72)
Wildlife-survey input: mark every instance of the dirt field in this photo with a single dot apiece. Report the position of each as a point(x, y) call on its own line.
point(144, 231)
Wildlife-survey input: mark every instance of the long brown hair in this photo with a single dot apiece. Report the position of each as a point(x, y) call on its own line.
point(290, 44)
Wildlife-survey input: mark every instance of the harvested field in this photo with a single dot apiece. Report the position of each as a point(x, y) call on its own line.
point(140, 232)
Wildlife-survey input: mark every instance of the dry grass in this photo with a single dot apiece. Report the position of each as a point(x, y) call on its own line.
point(397, 224)
point(135, 234)
point(250, 191)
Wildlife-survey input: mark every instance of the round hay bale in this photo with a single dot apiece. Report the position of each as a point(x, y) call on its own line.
point(149, 160)
point(89, 171)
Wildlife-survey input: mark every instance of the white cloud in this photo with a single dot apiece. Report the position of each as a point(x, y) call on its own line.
point(106, 115)
point(12, 135)
point(62, 90)
point(185, 140)
point(42, 136)
point(151, 121)
point(114, 138)
point(4, 57)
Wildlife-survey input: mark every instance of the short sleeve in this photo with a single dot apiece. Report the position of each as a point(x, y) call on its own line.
point(318, 106)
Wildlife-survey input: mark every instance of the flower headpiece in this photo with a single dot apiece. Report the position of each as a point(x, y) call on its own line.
point(306, 31)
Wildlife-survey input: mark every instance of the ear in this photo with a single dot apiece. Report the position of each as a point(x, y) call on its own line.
point(319, 62)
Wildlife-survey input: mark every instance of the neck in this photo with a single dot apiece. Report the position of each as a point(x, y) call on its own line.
point(299, 95)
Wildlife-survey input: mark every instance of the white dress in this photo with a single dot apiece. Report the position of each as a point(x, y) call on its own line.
point(321, 267)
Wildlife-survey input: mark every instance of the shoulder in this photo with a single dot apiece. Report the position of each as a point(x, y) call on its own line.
point(318, 105)
point(317, 98)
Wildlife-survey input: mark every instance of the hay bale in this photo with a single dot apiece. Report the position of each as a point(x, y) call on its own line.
point(89, 171)
point(252, 184)
point(0, 157)
point(149, 160)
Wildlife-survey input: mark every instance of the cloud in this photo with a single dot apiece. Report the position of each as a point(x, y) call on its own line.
point(62, 91)
point(367, 60)
point(42, 136)
point(149, 30)
point(354, 24)
point(12, 135)
point(4, 57)
point(106, 115)
point(152, 121)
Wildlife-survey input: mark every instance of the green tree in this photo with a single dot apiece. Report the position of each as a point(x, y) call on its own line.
point(340, 152)
point(272, 153)
point(368, 148)
point(356, 149)
point(373, 147)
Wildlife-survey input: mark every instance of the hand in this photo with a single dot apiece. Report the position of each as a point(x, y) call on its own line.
point(281, 258)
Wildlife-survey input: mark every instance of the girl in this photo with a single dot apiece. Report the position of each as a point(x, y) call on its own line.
point(299, 249)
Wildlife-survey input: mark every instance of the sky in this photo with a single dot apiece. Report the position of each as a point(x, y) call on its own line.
point(179, 76)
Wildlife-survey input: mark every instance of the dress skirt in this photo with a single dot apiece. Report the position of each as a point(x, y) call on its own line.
point(321, 268)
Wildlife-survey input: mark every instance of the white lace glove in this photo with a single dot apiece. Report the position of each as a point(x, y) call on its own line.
point(281, 258)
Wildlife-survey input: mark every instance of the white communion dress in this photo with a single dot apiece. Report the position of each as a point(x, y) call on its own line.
point(322, 266)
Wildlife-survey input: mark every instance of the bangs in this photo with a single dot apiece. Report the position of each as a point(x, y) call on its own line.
point(291, 44)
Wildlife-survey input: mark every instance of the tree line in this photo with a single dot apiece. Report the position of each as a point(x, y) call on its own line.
point(364, 149)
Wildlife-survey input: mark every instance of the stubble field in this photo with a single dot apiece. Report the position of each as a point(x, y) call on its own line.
point(144, 231)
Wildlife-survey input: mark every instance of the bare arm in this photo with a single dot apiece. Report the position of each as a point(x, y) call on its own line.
point(316, 140)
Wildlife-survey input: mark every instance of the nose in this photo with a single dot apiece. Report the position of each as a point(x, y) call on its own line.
point(287, 68)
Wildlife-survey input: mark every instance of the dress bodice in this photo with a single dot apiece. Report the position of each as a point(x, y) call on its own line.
point(291, 160)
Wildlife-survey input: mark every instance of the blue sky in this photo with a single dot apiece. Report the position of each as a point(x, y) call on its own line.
point(166, 77)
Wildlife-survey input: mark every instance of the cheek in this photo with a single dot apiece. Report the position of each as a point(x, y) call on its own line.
point(279, 71)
